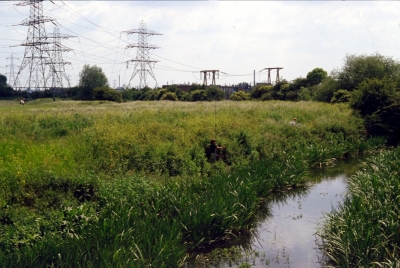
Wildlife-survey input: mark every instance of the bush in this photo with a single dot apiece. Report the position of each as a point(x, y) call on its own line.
point(324, 91)
point(341, 95)
point(258, 91)
point(378, 103)
point(213, 93)
point(106, 93)
point(198, 95)
point(240, 96)
point(171, 96)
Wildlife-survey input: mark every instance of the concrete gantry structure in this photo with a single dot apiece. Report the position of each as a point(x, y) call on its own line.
point(269, 74)
point(209, 72)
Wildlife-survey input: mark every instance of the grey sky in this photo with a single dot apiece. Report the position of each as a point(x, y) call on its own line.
point(234, 37)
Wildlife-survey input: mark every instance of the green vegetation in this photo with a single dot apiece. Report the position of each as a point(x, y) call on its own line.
point(102, 183)
point(364, 231)
point(5, 89)
point(90, 77)
point(128, 185)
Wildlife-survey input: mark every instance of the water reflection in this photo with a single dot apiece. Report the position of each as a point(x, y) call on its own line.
point(285, 235)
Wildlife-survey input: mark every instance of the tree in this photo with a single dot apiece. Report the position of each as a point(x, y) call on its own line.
point(324, 91)
point(316, 76)
point(213, 93)
point(341, 95)
point(5, 90)
point(304, 94)
point(358, 68)
point(90, 78)
point(3, 80)
point(198, 95)
point(378, 102)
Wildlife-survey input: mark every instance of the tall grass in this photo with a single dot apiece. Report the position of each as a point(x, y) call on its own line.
point(88, 184)
point(364, 231)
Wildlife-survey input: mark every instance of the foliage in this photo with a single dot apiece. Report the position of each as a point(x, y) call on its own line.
point(304, 94)
point(325, 91)
point(198, 95)
point(341, 95)
point(378, 101)
point(258, 91)
point(150, 94)
point(5, 90)
point(195, 86)
point(358, 68)
point(107, 93)
point(213, 93)
point(131, 94)
point(171, 96)
point(3, 80)
point(240, 96)
point(37, 94)
point(316, 76)
point(90, 78)
point(177, 91)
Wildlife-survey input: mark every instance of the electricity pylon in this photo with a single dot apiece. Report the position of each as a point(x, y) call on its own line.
point(37, 55)
point(143, 63)
point(57, 64)
point(12, 76)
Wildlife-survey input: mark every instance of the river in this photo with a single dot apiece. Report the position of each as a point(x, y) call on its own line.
point(285, 234)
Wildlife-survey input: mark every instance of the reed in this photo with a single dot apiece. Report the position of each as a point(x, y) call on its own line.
point(364, 230)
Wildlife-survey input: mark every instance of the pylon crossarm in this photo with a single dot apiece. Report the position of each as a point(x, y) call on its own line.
point(141, 31)
point(148, 46)
point(29, 22)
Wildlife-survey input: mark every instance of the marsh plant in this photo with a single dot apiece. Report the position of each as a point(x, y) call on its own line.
point(86, 184)
point(364, 230)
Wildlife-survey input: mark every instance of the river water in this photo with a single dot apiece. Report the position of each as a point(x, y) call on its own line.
point(285, 235)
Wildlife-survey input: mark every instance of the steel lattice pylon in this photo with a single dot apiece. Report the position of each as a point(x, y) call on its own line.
point(57, 64)
point(37, 55)
point(143, 63)
point(12, 79)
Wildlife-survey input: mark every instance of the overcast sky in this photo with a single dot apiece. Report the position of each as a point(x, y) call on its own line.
point(235, 37)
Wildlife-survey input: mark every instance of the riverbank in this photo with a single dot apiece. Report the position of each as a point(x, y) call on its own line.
point(103, 184)
point(364, 231)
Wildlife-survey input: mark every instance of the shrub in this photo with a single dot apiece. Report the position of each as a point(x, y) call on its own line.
point(240, 96)
point(378, 103)
point(213, 93)
point(341, 95)
point(324, 91)
point(198, 95)
point(106, 93)
point(258, 91)
point(171, 96)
